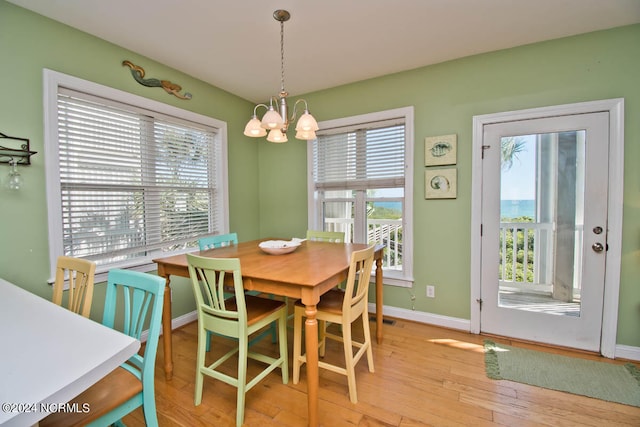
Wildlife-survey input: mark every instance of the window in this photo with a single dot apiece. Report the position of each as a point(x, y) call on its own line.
point(361, 183)
point(129, 179)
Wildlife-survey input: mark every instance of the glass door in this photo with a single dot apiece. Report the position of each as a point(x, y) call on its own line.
point(544, 229)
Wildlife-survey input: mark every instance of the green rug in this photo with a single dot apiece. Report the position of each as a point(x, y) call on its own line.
point(606, 381)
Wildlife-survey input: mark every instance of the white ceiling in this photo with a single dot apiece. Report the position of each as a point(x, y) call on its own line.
point(235, 44)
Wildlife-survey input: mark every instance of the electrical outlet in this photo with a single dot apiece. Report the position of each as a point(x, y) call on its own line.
point(431, 291)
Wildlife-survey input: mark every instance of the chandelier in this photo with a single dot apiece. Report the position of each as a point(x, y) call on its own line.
point(276, 120)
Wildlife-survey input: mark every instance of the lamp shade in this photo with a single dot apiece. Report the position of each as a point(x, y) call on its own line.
point(254, 128)
point(307, 123)
point(272, 119)
point(276, 135)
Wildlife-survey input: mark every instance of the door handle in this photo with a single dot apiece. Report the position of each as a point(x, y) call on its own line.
point(597, 247)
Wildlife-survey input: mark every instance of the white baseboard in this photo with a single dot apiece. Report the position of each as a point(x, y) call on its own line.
point(184, 319)
point(622, 351)
point(422, 317)
point(627, 352)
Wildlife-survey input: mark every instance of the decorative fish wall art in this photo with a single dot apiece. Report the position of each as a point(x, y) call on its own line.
point(171, 88)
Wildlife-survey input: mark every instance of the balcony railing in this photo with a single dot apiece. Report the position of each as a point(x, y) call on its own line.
point(387, 232)
point(522, 265)
point(527, 264)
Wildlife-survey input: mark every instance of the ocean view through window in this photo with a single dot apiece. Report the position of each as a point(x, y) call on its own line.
point(361, 184)
point(517, 208)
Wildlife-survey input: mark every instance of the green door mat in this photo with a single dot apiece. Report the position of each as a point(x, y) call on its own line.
point(606, 381)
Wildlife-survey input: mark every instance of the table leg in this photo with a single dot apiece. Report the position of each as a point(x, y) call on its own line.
point(166, 331)
point(311, 345)
point(379, 303)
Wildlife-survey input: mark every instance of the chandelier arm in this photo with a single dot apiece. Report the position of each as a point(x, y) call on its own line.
point(295, 109)
point(255, 109)
point(273, 102)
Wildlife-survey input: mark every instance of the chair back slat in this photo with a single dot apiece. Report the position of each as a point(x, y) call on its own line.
point(211, 290)
point(79, 274)
point(357, 285)
point(218, 241)
point(140, 292)
point(136, 307)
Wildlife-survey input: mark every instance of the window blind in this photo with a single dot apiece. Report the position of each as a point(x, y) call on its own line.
point(131, 181)
point(360, 158)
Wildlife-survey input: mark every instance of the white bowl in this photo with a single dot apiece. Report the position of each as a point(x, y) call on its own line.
point(279, 247)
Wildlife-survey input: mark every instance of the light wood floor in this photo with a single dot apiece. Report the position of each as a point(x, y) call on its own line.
point(424, 376)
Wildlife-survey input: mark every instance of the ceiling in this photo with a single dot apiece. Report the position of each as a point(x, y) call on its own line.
point(235, 45)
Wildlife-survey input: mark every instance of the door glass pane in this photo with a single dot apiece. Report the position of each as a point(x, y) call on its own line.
point(541, 218)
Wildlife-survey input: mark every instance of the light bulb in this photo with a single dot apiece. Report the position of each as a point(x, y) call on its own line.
point(306, 135)
point(254, 129)
point(272, 119)
point(276, 135)
point(307, 123)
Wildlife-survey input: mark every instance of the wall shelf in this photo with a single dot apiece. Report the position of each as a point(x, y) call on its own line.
point(16, 149)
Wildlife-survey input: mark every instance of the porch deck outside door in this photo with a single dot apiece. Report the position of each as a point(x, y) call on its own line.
point(544, 253)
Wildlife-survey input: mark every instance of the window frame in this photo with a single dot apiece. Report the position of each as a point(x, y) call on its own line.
point(314, 205)
point(53, 81)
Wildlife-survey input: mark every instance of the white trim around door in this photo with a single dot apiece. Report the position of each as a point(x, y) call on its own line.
point(615, 108)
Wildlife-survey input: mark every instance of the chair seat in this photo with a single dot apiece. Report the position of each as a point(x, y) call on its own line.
point(108, 393)
point(257, 307)
point(330, 302)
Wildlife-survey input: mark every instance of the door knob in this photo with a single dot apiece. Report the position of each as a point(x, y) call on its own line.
point(597, 247)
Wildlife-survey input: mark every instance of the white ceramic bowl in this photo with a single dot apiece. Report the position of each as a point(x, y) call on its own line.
point(279, 247)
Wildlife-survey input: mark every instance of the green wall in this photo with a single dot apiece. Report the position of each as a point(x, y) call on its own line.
point(29, 43)
point(268, 195)
point(446, 96)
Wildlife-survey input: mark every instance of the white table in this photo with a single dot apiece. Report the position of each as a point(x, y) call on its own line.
point(48, 355)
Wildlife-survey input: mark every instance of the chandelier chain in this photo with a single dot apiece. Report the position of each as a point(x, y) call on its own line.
point(282, 55)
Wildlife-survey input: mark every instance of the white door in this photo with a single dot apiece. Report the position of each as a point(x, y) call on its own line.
point(544, 229)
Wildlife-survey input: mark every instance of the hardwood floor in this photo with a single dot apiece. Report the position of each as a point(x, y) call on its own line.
point(424, 376)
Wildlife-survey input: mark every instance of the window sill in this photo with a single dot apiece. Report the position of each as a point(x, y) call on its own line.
point(394, 281)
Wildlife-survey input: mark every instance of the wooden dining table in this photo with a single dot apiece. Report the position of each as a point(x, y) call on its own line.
point(306, 273)
point(50, 355)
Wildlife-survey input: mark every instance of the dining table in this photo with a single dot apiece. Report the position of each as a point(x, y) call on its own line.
point(50, 355)
point(308, 272)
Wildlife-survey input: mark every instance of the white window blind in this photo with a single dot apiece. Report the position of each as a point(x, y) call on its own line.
point(361, 184)
point(359, 158)
point(132, 181)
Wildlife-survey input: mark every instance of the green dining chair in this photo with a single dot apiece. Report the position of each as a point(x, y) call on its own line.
point(325, 236)
point(237, 318)
point(219, 241)
point(131, 385)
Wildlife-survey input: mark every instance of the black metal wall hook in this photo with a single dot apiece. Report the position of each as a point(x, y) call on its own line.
point(17, 149)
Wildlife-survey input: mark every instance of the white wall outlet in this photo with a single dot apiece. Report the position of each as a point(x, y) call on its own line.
point(431, 291)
